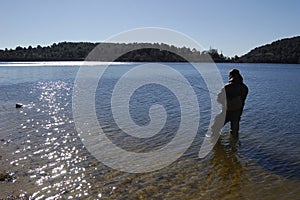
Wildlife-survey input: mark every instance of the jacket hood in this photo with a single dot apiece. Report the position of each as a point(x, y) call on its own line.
point(236, 79)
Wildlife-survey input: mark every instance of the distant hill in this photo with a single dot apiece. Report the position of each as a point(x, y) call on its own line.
point(56, 52)
point(134, 52)
point(281, 51)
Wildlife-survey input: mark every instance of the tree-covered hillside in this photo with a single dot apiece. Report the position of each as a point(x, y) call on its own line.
point(133, 52)
point(55, 52)
point(281, 51)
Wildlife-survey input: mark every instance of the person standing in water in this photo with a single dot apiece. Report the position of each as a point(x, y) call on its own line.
point(235, 94)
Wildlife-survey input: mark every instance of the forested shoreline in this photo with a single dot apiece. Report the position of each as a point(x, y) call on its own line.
point(133, 52)
point(281, 51)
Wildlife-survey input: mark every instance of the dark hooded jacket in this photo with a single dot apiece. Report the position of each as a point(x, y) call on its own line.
point(235, 88)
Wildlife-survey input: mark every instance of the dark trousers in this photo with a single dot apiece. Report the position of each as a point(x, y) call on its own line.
point(234, 118)
point(223, 118)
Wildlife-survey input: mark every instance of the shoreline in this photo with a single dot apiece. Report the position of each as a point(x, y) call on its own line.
point(120, 62)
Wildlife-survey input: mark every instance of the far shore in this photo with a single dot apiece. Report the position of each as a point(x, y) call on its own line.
point(75, 62)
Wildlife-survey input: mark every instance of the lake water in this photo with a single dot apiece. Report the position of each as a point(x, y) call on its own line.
point(42, 151)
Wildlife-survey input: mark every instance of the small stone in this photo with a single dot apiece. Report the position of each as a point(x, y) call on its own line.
point(6, 177)
point(19, 105)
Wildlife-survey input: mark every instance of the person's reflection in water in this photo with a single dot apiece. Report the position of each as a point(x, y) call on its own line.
point(227, 169)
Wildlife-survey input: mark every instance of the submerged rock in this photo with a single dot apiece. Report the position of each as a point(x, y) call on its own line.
point(6, 177)
point(19, 105)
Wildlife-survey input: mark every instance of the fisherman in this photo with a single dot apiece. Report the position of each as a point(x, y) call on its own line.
point(236, 93)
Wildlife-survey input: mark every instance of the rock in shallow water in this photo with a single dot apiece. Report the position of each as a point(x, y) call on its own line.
point(19, 105)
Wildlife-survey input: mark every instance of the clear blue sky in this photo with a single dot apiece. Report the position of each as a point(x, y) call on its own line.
point(232, 26)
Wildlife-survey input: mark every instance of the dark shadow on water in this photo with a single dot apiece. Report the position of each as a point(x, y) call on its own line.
point(228, 151)
point(285, 166)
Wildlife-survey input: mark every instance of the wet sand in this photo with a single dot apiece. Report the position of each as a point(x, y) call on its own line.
point(14, 181)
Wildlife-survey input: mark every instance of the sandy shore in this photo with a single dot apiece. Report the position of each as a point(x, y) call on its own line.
point(14, 183)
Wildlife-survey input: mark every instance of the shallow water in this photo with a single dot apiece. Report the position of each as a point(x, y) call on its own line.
point(40, 146)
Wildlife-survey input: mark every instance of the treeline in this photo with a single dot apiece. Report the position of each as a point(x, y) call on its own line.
point(281, 51)
point(133, 52)
point(65, 51)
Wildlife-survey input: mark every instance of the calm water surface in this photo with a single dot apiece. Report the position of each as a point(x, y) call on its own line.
point(41, 149)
